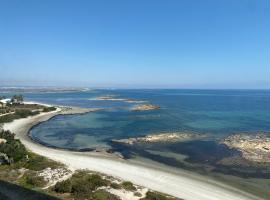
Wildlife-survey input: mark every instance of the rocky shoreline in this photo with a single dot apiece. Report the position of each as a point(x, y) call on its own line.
point(254, 148)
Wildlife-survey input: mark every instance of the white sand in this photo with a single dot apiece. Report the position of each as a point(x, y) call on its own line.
point(181, 184)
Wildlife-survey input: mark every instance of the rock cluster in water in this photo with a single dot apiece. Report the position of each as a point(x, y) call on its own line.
point(160, 137)
point(142, 107)
point(253, 147)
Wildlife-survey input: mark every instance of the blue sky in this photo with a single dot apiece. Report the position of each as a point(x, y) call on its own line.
point(135, 43)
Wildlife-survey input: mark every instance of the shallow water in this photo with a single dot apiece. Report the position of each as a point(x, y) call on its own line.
point(216, 112)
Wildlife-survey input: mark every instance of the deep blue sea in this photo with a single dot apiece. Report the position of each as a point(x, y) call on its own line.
point(214, 112)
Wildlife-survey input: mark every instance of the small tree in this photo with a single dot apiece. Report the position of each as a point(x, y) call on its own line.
point(17, 99)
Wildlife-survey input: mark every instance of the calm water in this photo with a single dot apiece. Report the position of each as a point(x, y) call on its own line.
point(216, 112)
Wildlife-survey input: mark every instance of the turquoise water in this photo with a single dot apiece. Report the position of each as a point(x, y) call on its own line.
point(215, 112)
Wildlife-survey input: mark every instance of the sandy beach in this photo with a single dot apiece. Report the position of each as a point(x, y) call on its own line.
point(178, 183)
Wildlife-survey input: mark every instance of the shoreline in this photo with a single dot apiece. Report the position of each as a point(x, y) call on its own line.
point(189, 186)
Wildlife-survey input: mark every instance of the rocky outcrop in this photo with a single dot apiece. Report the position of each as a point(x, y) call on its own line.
point(160, 137)
point(253, 147)
point(143, 107)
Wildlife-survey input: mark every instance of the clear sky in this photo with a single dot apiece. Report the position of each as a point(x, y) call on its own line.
point(135, 43)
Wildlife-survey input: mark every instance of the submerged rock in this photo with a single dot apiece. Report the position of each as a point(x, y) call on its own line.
point(142, 107)
point(160, 137)
point(253, 147)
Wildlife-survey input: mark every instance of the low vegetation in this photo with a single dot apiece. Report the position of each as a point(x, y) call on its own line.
point(17, 114)
point(115, 186)
point(12, 148)
point(21, 166)
point(128, 186)
point(81, 185)
point(63, 186)
point(16, 109)
point(157, 196)
point(104, 195)
point(48, 109)
point(31, 179)
point(38, 163)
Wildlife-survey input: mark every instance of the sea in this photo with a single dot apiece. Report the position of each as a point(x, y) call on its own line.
point(214, 114)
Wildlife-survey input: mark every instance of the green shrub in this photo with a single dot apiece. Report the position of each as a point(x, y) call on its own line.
point(81, 185)
point(38, 163)
point(137, 194)
point(14, 149)
point(128, 186)
point(96, 181)
point(19, 113)
point(93, 181)
point(31, 179)
point(7, 135)
point(115, 186)
point(36, 181)
point(156, 196)
point(7, 118)
point(22, 113)
point(48, 109)
point(104, 195)
point(63, 186)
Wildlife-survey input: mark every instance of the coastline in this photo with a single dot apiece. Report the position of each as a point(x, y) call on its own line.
point(189, 186)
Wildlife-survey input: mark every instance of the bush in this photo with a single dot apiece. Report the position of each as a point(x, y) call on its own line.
point(38, 163)
point(63, 186)
point(36, 181)
point(128, 186)
point(115, 186)
point(31, 179)
point(22, 113)
point(156, 196)
point(137, 194)
point(19, 113)
point(104, 195)
point(48, 109)
point(14, 149)
point(7, 135)
point(81, 189)
point(93, 181)
point(96, 181)
point(81, 185)
point(7, 118)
